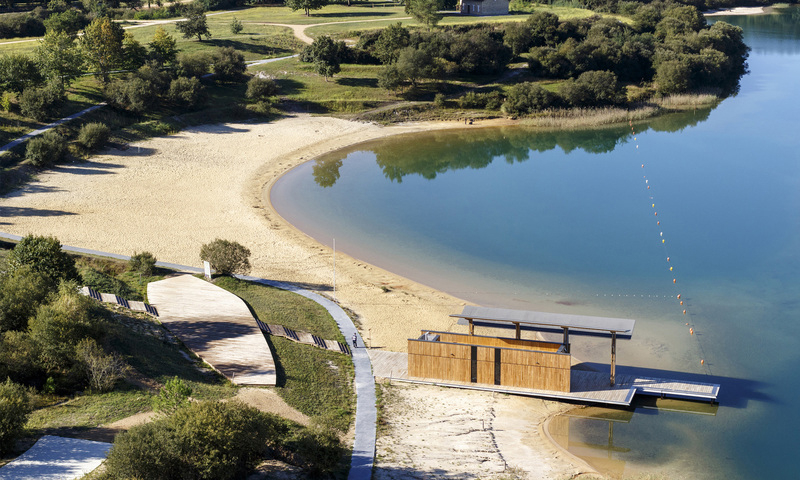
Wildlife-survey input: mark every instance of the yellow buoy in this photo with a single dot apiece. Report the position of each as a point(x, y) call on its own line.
point(670, 269)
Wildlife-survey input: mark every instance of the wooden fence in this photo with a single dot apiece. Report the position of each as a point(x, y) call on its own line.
point(466, 359)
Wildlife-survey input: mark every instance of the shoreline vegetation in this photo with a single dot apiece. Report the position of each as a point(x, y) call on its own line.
point(225, 195)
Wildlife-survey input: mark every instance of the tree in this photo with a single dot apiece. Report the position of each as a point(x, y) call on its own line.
point(21, 293)
point(69, 21)
point(305, 5)
point(226, 257)
point(389, 43)
point(195, 24)
point(59, 57)
point(18, 72)
point(424, 11)
point(102, 46)
point(672, 76)
point(193, 64)
point(42, 254)
point(325, 54)
point(42, 103)
point(163, 47)
point(414, 64)
point(528, 97)
point(543, 27)
point(187, 92)
point(236, 26)
point(134, 54)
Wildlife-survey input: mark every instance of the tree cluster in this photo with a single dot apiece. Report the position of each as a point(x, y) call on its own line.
point(413, 56)
point(668, 43)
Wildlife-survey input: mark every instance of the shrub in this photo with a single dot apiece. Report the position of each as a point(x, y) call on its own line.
point(187, 92)
point(173, 396)
point(21, 293)
point(226, 257)
point(203, 441)
point(20, 25)
point(102, 370)
point(15, 405)
point(320, 450)
point(45, 150)
point(229, 64)
point(92, 136)
point(236, 26)
point(132, 93)
point(439, 100)
point(528, 97)
point(69, 21)
point(193, 64)
point(18, 358)
point(261, 89)
point(6, 101)
point(44, 255)
point(58, 327)
point(143, 263)
point(106, 283)
point(43, 102)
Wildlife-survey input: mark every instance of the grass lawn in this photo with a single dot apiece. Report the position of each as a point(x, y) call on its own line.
point(317, 382)
point(361, 11)
point(353, 89)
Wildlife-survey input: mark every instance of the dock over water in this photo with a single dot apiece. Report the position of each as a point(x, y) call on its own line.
point(586, 386)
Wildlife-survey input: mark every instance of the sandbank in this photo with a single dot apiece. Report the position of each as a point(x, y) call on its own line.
point(170, 195)
point(735, 11)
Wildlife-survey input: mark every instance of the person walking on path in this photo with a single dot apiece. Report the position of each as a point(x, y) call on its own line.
point(355, 340)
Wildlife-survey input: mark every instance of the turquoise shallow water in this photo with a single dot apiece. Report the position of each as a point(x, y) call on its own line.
point(564, 222)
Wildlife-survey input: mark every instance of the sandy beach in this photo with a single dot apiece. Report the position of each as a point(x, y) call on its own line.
point(735, 11)
point(170, 195)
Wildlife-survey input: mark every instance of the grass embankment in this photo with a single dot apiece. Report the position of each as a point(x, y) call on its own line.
point(317, 382)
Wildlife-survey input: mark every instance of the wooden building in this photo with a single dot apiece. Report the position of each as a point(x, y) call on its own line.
point(506, 361)
point(484, 7)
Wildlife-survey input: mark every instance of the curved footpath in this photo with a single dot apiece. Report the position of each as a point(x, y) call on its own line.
point(366, 413)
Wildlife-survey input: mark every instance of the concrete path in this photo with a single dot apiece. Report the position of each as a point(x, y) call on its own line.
point(56, 458)
point(366, 412)
point(39, 131)
point(217, 326)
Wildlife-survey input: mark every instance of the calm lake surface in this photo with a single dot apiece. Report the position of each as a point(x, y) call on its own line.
point(564, 222)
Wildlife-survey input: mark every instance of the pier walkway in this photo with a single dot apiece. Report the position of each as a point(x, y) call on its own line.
point(586, 386)
point(217, 326)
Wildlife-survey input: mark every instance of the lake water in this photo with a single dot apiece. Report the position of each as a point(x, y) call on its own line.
point(565, 222)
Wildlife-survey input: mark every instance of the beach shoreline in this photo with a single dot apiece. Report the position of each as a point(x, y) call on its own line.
point(735, 11)
point(169, 195)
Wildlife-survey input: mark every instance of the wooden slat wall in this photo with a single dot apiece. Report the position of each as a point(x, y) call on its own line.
point(498, 342)
point(519, 368)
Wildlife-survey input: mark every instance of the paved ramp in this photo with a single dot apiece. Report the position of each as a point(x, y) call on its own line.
point(56, 458)
point(217, 326)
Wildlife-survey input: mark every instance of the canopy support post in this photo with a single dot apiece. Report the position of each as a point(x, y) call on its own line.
point(613, 356)
point(471, 327)
point(518, 330)
point(566, 339)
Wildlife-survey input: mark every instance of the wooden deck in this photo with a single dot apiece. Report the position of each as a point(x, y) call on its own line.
point(217, 326)
point(586, 386)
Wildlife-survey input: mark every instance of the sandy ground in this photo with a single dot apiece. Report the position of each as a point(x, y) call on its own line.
point(736, 11)
point(171, 195)
point(432, 432)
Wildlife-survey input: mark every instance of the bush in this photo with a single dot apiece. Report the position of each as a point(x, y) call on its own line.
point(45, 150)
point(44, 255)
point(229, 64)
point(226, 257)
point(143, 263)
point(173, 396)
point(261, 89)
point(133, 94)
point(93, 136)
point(193, 64)
point(106, 283)
point(15, 405)
point(102, 370)
point(320, 450)
point(20, 25)
point(528, 97)
point(203, 441)
point(58, 327)
point(187, 92)
point(236, 26)
point(42, 103)
point(18, 358)
point(70, 21)
point(439, 100)
point(21, 293)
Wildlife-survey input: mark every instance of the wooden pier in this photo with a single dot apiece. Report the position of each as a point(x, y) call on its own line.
point(586, 386)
